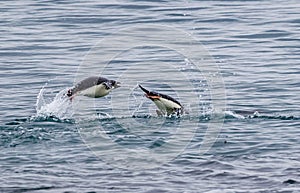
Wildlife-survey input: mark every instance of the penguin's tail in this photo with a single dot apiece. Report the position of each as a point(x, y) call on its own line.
point(69, 93)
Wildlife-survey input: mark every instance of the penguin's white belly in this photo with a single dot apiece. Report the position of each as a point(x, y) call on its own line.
point(94, 91)
point(166, 106)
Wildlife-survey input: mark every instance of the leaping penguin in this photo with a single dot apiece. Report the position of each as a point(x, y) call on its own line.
point(93, 87)
point(166, 104)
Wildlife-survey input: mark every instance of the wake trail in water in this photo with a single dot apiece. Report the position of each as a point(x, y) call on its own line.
point(248, 115)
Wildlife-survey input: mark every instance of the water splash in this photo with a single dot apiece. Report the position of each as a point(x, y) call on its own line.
point(59, 107)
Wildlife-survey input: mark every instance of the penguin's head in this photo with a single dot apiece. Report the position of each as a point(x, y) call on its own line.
point(115, 84)
point(111, 84)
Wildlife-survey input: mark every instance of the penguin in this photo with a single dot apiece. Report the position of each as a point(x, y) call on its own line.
point(93, 87)
point(166, 104)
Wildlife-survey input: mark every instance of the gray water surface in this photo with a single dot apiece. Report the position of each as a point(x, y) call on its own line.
point(254, 43)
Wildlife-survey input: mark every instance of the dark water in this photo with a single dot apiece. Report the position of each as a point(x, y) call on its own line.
point(45, 146)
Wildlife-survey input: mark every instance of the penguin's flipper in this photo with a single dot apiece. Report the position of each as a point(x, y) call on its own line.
point(159, 113)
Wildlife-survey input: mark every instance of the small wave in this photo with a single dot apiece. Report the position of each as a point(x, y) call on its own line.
point(232, 114)
point(51, 118)
point(17, 121)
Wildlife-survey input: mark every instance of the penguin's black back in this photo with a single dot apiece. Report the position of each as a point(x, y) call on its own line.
point(87, 83)
point(161, 95)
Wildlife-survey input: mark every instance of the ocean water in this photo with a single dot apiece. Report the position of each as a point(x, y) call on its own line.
point(234, 65)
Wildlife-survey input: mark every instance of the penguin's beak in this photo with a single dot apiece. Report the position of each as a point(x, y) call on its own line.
point(117, 85)
point(152, 96)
